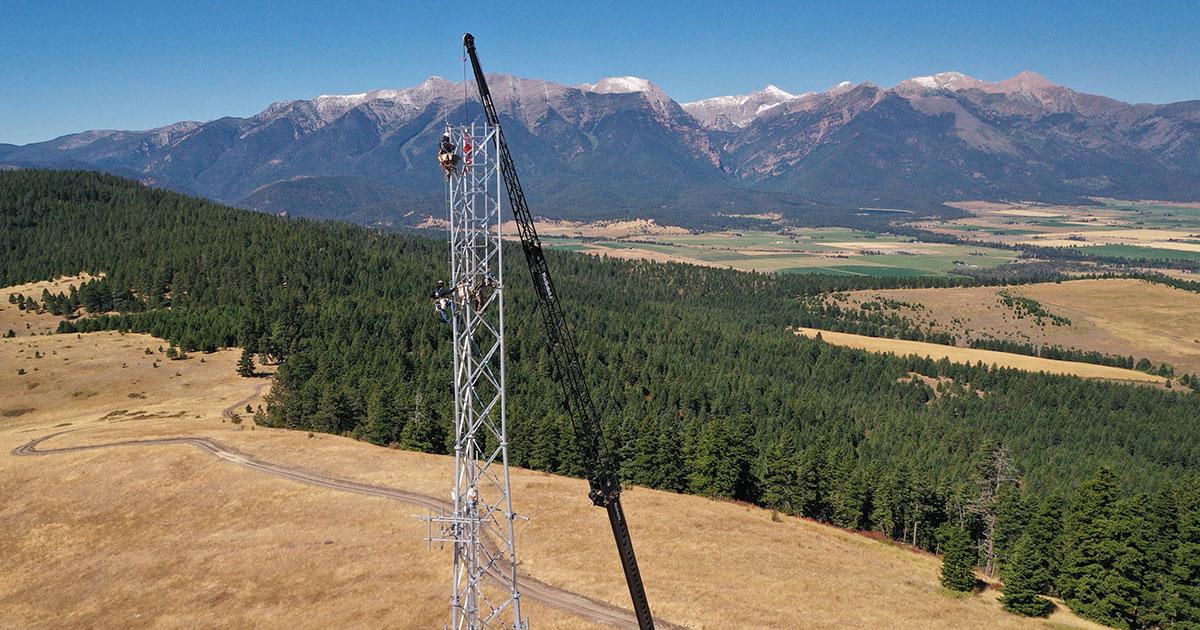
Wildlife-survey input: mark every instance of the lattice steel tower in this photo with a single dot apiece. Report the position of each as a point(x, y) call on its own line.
point(484, 591)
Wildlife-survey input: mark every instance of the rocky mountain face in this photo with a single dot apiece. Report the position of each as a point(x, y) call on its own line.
point(730, 113)
point(623, 147)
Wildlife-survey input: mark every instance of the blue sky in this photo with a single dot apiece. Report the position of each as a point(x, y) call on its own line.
point(70, 66)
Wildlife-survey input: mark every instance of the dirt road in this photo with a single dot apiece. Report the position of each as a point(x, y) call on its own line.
point(530, 587)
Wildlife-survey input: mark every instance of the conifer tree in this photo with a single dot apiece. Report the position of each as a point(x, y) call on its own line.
point(848, 493)
point(385, 417)
point(1102, 566)
point(421, 432)
point(812, 483)
point(994, 471)
point(958, 560)
point(1045, 534)
point(245, 364)
point(638, 465)
point(337, 412)
point(543, 451)
point(1012, 518)
point(721, 460)
point(1159, 536)
point(1023, 580)
point(777, 479)
point(672, 469)
point(1182, 601)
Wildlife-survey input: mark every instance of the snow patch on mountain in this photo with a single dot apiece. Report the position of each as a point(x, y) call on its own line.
point(1028, 83)
point(619, 85)
point(728, 113)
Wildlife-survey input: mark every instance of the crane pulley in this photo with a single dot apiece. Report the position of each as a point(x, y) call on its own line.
point(598, 463)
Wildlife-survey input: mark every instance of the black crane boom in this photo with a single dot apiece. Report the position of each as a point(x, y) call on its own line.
point(598, 463)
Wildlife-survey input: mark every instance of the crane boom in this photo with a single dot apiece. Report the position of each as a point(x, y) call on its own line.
point(598, 464)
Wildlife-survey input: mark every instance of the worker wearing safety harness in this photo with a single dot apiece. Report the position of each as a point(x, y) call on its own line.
point(448, 155)
point(442, 303)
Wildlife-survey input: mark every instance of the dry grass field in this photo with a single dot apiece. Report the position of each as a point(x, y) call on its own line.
point(1115, 316)
point(903, 347)
point(29, 322)
point(172, 536)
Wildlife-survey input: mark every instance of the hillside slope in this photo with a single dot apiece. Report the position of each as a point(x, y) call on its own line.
point(171, 535)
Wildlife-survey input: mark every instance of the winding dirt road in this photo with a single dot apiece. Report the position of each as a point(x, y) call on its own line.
point(530, 587)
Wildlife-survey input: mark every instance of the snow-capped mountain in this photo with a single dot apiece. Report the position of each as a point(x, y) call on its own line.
point(729, 113)
point(621, 146)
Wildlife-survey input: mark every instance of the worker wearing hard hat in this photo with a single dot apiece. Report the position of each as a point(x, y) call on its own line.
point(448, 155)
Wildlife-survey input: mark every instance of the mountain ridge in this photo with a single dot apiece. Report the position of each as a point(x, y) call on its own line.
point(622, 147)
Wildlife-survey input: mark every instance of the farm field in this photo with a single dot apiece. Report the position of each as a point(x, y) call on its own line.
point(1111, 228)
point(1117, 316)
point(839, 251)
point(903, 347)
point(171, 535)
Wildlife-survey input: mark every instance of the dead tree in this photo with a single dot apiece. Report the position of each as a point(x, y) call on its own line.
point(995, 471)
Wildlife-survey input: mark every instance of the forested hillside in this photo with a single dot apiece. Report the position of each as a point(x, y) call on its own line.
point(699, 385)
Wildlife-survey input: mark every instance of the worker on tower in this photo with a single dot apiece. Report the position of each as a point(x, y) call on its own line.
point(441, 301)
point(448, 155)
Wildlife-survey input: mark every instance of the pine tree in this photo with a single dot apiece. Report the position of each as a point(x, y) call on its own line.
point(672, 469)
point(812, 483)
point(1045, 534)
point(1024, 578)
point(1102, 566)
point(638, 465)
point(337, 412)
point(721, 460)
point(848, 493)
point(958, 560)
point(886, 502)
point(777, 478)
point(385, 418)
point(1012, 518)
point(1159, 536)
point(245, 364)
point(543, 452)
point(1182, 605)
point(421, 432)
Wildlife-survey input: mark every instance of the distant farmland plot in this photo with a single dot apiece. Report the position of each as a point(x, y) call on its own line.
point(1135, 252)
point(1118, 229)
point(957, 354)
point(1115, 316)
point(840, 251)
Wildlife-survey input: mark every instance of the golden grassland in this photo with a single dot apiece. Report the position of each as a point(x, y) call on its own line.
point(903, 347)
point(31, 322)
point(172, 536)
point(1119, 316)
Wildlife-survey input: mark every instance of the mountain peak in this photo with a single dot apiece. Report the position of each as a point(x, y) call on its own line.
point(841, 88)
point(772, 90)
point(728, 113)
point(620, 85)
point(1025, 81)
point(951, 81)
